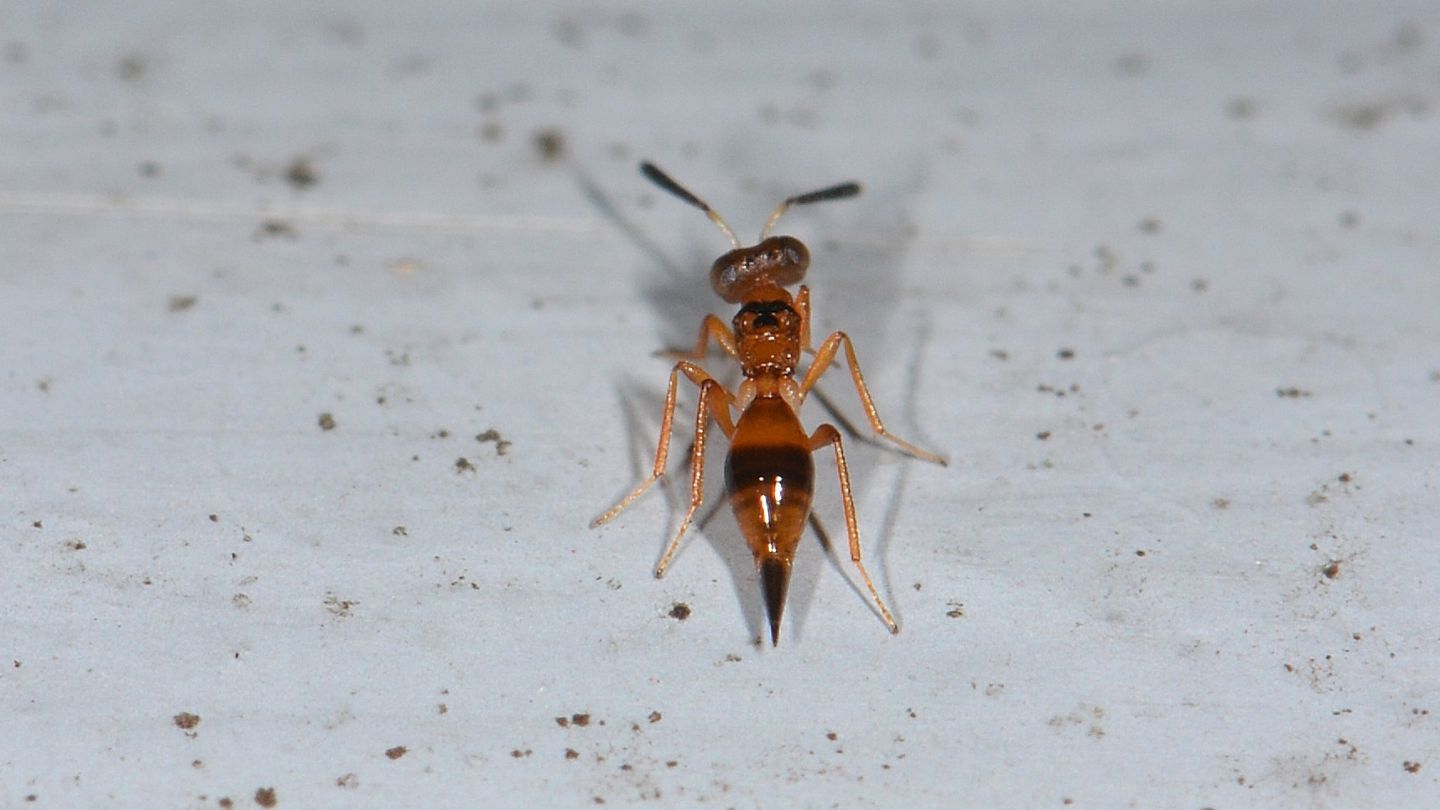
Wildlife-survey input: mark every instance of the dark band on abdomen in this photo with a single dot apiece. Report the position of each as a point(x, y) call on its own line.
point(750, 465)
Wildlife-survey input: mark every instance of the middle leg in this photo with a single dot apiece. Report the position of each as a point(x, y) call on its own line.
point(824, 356)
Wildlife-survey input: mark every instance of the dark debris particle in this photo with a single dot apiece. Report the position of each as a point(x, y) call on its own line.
point(1150, 225)
point(186, 720)
point(396, 752)
point(571, 753)
point(492, 435)
point(348, 781)
point(225, 803)
point(1331, 570)
point(1291, 393)
point(326, 421)
point(180, 303)
point(680, 611)
point(400, 531)
point(265, 797)
point(1066, 354)
point(550, 144)
point(1410, 767)
point(521, 754)
point(275, 228)
point(655, 717)
point(214, 518)
point(463, 465)
point(563, 722)
point(1139, 552)
point(956, 611)
point(582, 719)
point(1344, 478)
point(1043, 435)
point(300, 174)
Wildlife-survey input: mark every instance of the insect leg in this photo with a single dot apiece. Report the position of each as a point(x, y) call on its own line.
point(715, 402)
point(802, 303)
point(824, 356)
point(827, 434)
point(696, 375)
point(711, 328)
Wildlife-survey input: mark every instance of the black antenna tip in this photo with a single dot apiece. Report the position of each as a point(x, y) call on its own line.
point(775, 580)
point(655, 175)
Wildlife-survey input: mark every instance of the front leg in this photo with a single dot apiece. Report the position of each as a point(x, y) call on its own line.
point(712, 328)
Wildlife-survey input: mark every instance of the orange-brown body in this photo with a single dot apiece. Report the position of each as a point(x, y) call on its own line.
point(769, 472)
point(770, 476)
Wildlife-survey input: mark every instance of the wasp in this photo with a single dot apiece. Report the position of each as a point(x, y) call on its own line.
point(769, 470)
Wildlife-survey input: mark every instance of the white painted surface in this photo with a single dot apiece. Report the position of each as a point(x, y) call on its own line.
point(442, 276)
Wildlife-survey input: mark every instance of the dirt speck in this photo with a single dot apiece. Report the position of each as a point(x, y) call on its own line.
point(550, 144)
point(680, 611)
point(581, 719)
point(265, 797)
point(339, 607)
point(131, 67)
point(186, 720)
point(1410, 767)
point(348, 781)
point(956, 611)
point(571, 753)
point(1292, 392)
point(1043, 435)
point(301, 174)
point(180, 303)
point(396, 752)
point(492, 435)
point(326, 421)
point(463, 465)
point(521, 753)
point(1331, 570)
point(274, 229)
point(75, 545)
point(1066, 354)
point(225, 803)
point(400, 531)
point(655, 717)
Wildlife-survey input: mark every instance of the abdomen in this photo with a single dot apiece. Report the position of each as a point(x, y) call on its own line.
point(769, 475)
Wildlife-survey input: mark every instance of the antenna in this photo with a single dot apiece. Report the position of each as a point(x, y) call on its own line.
point(663, 180)
point(832, 193)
